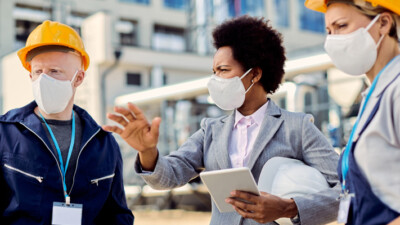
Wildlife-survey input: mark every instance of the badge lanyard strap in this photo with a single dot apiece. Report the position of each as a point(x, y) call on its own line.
point(71, 146)
point(345, 159)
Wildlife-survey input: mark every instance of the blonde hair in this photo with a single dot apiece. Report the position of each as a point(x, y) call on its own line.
point(371, 11)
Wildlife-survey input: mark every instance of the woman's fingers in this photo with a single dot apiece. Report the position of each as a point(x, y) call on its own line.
point(155, 126)
point(136, 111)
point(128, 114)
point(113, 129)
point(117, 118)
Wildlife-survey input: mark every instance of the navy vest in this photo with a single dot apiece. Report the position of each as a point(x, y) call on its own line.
point(365, 208)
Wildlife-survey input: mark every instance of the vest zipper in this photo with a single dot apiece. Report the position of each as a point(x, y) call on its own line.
point(96, 181)
point(58, 165)
point(38, 178)
point(77, 160)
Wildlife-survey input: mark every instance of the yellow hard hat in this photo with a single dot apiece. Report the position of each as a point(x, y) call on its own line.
point(53, 33)
point(320, 5)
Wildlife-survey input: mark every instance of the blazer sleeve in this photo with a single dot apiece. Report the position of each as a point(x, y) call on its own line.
point(179, 167)
point(115, 210)
point(320, 207)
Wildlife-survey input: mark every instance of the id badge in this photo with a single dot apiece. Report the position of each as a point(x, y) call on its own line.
point(344, 208)
point(64, 214)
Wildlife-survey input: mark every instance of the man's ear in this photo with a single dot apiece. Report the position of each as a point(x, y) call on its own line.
point(30, 75)
point(79, 78)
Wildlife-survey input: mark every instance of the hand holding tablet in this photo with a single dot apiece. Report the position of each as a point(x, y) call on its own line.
point(220, 183)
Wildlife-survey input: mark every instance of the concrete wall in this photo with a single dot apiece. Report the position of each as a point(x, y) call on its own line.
point(16, 85)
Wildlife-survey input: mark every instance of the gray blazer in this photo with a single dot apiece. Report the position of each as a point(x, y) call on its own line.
point(282, 133)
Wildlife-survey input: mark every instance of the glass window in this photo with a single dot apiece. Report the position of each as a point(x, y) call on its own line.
point(250, 7)
point(127, 32)
point(133, 79)
point(175, 4)
point(145, 2)
point(27, 18)
point(22, 30)
point(311, 20)
point(169, 39)
point(282, 13)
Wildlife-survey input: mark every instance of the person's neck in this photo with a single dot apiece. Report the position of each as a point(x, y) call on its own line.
point(387, 52)
point(64, 115)
point(256, 101)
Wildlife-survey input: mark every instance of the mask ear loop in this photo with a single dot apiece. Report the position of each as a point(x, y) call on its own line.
point(72, 80)
point(249, 87)
point(373, 22)
point(248, 71)
point(380, 40)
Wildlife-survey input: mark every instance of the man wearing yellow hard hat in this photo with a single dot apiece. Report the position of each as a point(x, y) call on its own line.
point(363, 38)
point(57, 165)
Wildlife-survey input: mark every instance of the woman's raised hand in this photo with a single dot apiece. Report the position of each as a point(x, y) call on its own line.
point(135, 130)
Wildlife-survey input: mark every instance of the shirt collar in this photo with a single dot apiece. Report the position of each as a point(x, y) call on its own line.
point(257, 116)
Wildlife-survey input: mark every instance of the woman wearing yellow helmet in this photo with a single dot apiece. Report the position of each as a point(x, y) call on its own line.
point(363, 39)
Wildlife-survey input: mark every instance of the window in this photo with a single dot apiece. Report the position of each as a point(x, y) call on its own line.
point(127, 31)
point(158, 80)
point(133, 79)
point(75, 20)
point(169, 39)
point(27, 18)
point(282, 13)
point(251, 7)
point(311, 20)
point(175, 4)
point(22, 30)
point(145, 2)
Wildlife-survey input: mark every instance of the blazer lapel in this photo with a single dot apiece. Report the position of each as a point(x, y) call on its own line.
point(269, 127)
point(221, 133)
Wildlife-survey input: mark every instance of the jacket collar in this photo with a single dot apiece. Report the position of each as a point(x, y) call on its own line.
point(223, 130)
point(25, 115)
point(389, 73)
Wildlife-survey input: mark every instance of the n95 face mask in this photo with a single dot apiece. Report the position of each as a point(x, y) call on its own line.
point(228, 94)
point(52, 95)
point(353, 53)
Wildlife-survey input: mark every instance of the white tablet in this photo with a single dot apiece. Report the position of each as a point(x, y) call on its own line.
point(220, 183)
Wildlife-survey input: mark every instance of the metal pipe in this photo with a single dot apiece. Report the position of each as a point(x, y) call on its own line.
point(117, 55)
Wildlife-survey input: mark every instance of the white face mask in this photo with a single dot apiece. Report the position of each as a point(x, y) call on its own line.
point(52, 95)
point(228, 94)
point(353, 53)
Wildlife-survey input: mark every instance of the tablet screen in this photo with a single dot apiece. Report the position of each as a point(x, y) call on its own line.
point(220, 183)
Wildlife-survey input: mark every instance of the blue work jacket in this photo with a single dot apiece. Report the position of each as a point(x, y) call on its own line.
point(31, 180)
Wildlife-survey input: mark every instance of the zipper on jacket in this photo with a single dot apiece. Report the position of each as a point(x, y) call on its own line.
point(58, 165)
point(77, 160)
point(96, 181)
point(38, 178)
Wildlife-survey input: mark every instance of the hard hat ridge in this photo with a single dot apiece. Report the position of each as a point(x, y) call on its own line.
point(51, 33)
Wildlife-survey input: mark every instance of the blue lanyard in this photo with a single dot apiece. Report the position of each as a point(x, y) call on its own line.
point(71, 146)
point(345, 158)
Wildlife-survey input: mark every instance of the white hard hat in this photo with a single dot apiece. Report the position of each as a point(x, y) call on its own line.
point(287, 178)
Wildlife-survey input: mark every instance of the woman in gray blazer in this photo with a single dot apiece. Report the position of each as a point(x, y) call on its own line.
point(363, 38)
point(248, 65)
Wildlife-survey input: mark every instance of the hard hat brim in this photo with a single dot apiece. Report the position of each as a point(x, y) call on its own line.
point(320, 5)
point(22, 53)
